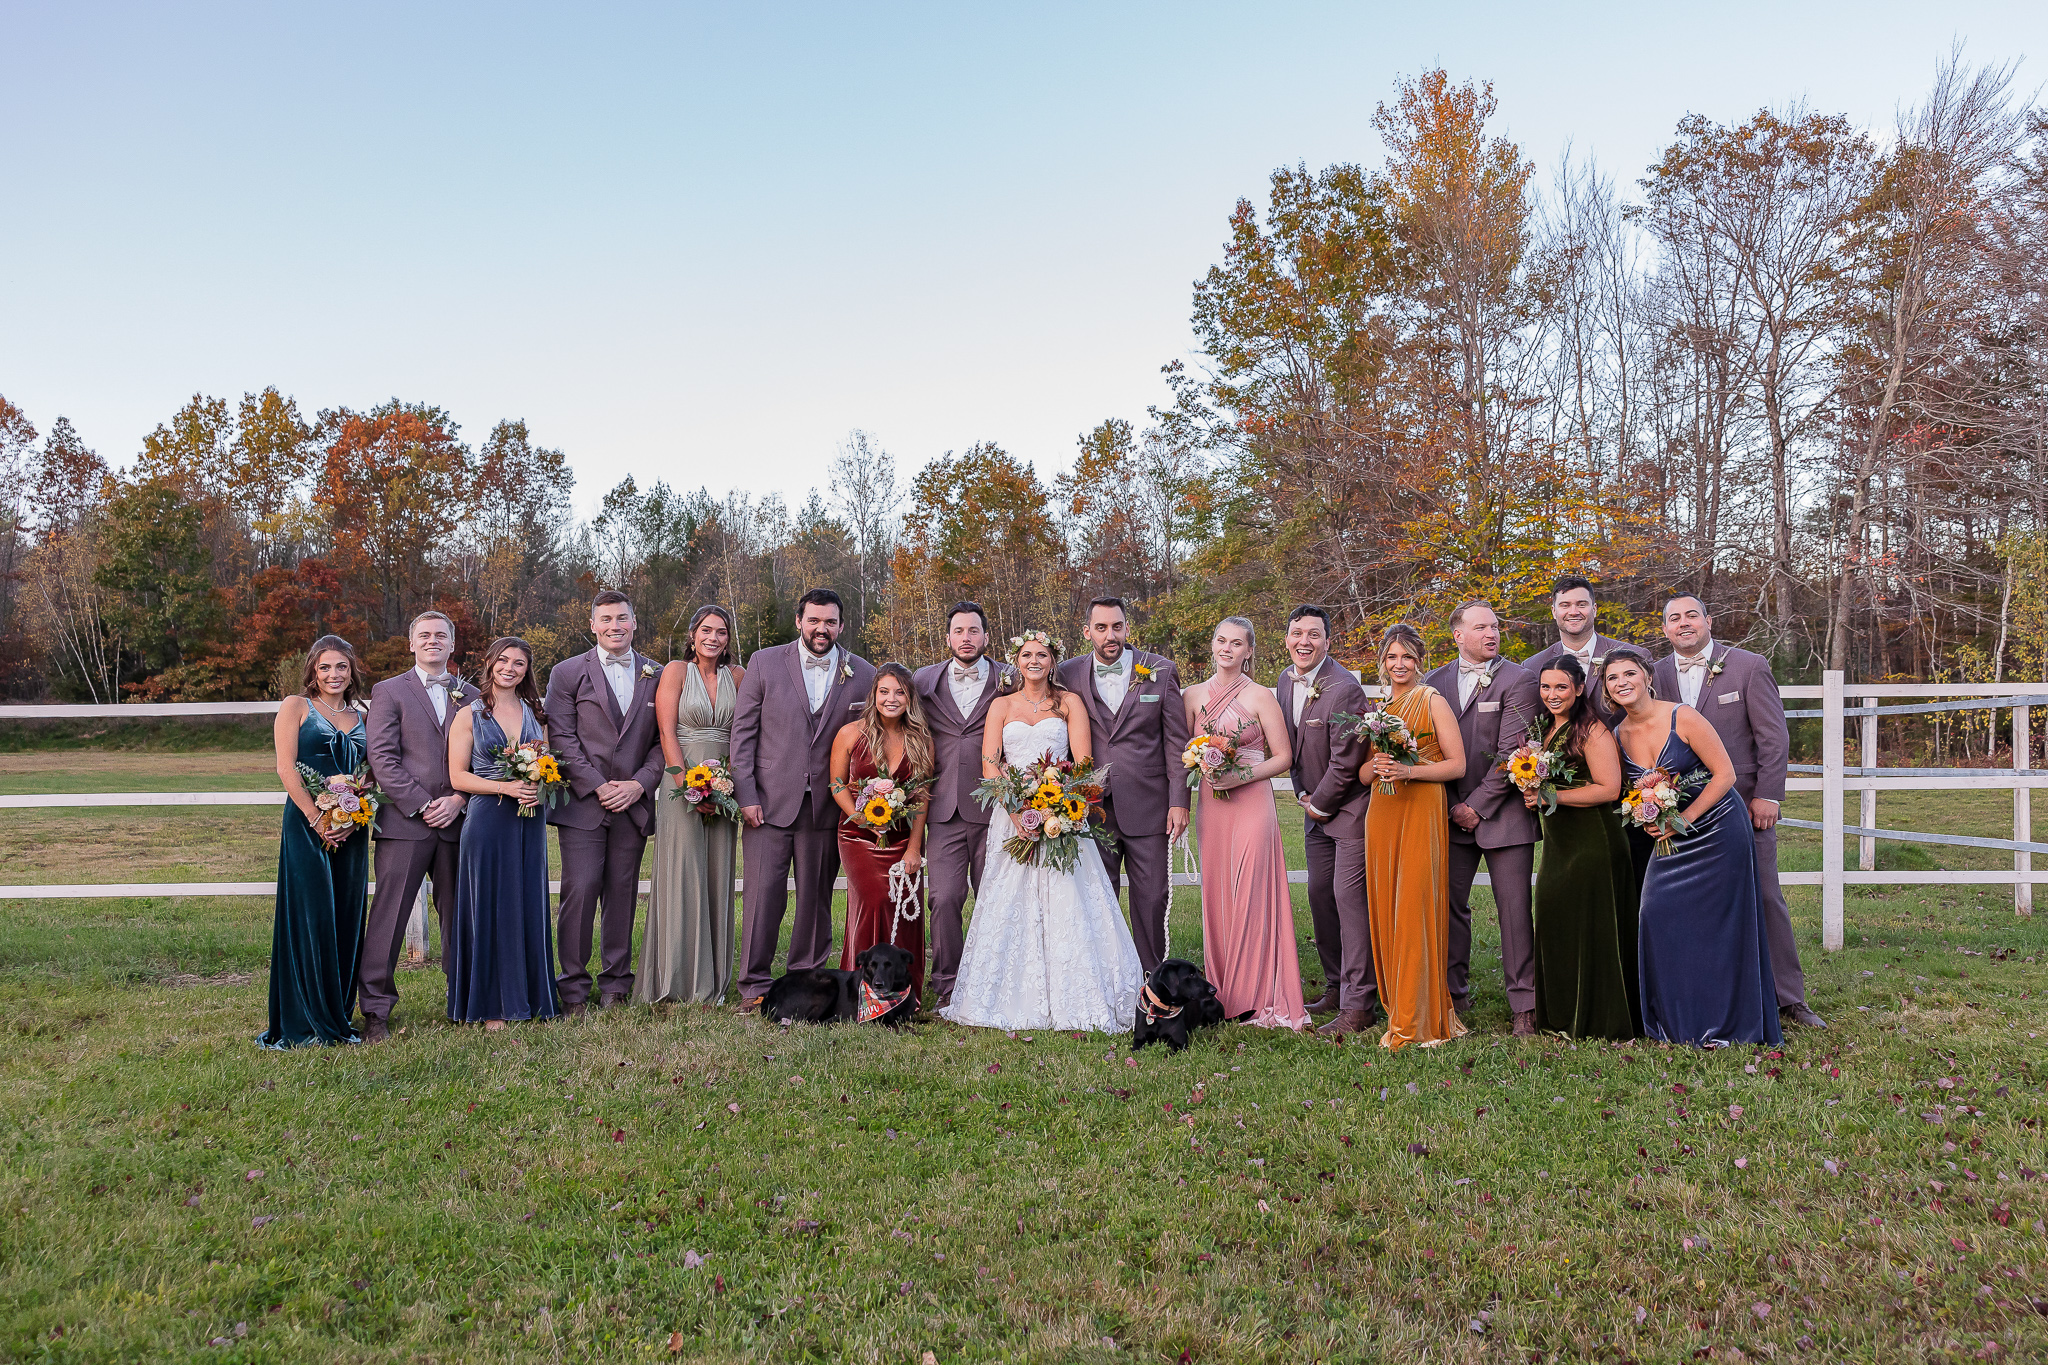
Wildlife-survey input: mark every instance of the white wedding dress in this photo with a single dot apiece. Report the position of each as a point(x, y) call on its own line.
point(1045, 949)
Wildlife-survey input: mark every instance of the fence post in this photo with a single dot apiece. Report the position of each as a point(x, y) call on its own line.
point(1866, 844)
point(1831, 744)
point(416, 926)
point(2022, 812)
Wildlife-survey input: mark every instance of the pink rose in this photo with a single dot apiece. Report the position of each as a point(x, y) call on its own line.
point(722, 785)
point(1029, 820)
point(882, 786)
point(1212, 758)
point(350, 802)
point(693, 795)
point(337, 784)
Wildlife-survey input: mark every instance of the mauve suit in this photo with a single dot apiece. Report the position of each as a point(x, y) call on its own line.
point(1326, 775)
point(1742, 704)
point(955, 825)
point(1497, 719)
point(408, 748)
point(601, 849)
point(782, 762)
point(1141, 743)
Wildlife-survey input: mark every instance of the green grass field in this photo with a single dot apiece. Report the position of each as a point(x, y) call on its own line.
point(683, 1183)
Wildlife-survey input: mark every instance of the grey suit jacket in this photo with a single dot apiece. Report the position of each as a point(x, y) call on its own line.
point(1143, 738)
point(408, 748)
point(779, 749)
point(1741, 702)
point(958, 738)
point(1326, 772)
point(596, 744)
point(1497, 719)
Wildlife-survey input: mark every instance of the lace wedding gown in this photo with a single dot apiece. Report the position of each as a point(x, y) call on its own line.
point(1045, 949)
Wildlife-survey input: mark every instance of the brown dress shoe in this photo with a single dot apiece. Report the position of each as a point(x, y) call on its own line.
point(751, 1004)
point(1799, 1014)
point(945, 1001)
point(574, 1011)
point(376, 1031)
point(1325, 1002)
point(1462, 1004)
point(1525, 1023)
point(1347, 1021)
point(612, 1002)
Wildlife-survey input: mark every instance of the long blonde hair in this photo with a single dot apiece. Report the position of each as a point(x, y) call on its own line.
point(918, 745)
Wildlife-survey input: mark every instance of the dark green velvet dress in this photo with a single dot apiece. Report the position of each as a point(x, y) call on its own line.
point(318, 932)
point(1584, 913)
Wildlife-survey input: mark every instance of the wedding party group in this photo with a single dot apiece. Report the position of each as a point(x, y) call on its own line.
point(1055, 790)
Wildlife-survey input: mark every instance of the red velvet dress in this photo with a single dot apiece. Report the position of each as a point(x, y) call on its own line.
point(869, 913)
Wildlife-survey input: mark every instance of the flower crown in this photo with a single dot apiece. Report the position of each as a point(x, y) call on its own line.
point(1017, 643)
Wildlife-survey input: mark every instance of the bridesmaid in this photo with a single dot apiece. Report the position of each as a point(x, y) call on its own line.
point(1248, 947)
point(317, 934)
point(890, 737)
point(1408, 853)
point(686, 954)
point(1703, 955)
point(501, 964)
point(1585, 899)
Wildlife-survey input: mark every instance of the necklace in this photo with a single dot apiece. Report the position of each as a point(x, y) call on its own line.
point(1051, 700)
point(330, 710)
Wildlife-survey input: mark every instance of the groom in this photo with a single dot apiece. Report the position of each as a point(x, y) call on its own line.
point(1138, 730)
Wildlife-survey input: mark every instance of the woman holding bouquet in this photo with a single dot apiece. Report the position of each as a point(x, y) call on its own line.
point(1248, 946)
point(322, 866)
point(880, 765)
point(1584, 907)
point(501, 960)
point(1408, 850)
point(686, 953)
point(1704, 960)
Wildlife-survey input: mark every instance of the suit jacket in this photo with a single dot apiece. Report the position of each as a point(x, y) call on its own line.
point(779, 749)
point(1741, 702)
point(1496, 720)
point(1602, 646)
point(596, 744)
point(958, 739)
point(1143, 738)
point(1326, 772)
point(408, 747)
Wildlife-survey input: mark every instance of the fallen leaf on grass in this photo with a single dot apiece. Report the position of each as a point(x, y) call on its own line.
point(1417, 1149)
point(1761, 1309)
point(675, 1343)
point(733, 1108)
point(260, 1219)
point(253, 1175)
point(692, 1261)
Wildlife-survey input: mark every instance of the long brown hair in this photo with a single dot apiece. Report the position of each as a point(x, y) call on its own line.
point(309, 685)
point(918, 745)
point(527, 691)
point(1580, 719)
point(689, 654)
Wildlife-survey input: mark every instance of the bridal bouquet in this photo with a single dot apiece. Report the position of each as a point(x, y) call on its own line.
point(886, 805)
point(1655, 799)
point(1386, 733)
point(347, 802)
point(1054, 803)
point(1212, 755)
point(1535, 767)
point(707, 789)
point(529, 762)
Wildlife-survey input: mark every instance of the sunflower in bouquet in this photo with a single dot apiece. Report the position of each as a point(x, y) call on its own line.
point(347, 802)
point(1535, 766)
point(531, 762)
point(1054, 804)
point(706, 788)
point(886, 807)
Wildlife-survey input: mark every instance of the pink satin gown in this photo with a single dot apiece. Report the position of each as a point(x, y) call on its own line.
point(1248, 944)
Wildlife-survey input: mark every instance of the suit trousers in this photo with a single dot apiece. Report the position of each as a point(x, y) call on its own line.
point(769, 854)
point(953, 854)
point(1784, 943)
point(599, 865)
point(1510, 867)
point(1145, 858)
point(402, 864)
point(1337, 908)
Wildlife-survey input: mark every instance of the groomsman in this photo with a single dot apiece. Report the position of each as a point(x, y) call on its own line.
point(601, 726)
point(420, 823)
point(1311, 692)
point(1495, 701)
point(1735, 691)
point(1573, 608)
point(956, 696)
point(1138, 728)
point(790, 706)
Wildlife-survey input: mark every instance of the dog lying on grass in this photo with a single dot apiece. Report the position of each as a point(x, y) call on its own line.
point(876, 991)
point(1177, 999)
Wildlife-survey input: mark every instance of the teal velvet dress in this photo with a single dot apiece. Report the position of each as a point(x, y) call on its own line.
point(318, 931)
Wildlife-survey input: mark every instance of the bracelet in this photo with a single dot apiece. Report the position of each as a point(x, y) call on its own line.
point(837, 787)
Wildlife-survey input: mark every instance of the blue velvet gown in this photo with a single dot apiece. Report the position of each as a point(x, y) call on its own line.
point(316, 936)
point(1705, 963)
point(501, 961)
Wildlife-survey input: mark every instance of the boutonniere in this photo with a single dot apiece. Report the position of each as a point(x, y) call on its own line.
point(845, 672)
point(1486, 678)
point(1144, 673)
point(1715, 671)
point(456, 693)
point(1006, 679)
point(1315, 689)
point(647, 670)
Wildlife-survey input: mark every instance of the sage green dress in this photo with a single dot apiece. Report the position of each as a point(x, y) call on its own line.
point(686, 954)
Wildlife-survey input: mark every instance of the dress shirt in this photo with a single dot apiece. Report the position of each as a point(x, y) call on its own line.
point(1302, 683)
point(1469, 676)
point(437, 693)
point(1584, 656)
point(618, 671)
point(818, 673)
point(966, 682)
point(1692, 673)
point(1112, 686)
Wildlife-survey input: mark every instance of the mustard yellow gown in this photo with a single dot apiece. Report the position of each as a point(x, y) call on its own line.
point(1407, 889)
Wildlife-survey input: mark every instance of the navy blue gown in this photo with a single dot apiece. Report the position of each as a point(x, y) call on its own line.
point(501, 961)
point(316, 935)
point(1704, 961)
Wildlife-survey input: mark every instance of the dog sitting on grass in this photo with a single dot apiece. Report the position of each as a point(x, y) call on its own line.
point(1177, 999)
point(876, 991)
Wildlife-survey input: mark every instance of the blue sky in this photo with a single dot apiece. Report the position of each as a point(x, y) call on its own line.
point(701, 243)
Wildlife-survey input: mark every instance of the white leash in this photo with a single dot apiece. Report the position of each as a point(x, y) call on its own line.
point(905, 888)
point(1181, 860)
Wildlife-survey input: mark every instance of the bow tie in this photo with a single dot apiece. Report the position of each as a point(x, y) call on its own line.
point(967, 672)
point(1582, 655)
point(442, 680)
point(1115, 670)
point(819, 661)
point(1466, 666)
point(618, 660)
point(1697, 661)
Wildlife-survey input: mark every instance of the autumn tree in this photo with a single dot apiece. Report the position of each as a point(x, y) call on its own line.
point(396, 483)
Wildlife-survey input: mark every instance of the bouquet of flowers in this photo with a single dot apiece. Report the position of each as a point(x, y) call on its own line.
point(1655, 799)
point(884, 805)
point(529, 762)
point(347, 802)
point(1212, 755)
point(707, 789)
point(1386, 733)
point(1055, 803)
point(1536, 767)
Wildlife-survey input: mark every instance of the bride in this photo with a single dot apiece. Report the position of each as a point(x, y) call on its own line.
point(1045, 949)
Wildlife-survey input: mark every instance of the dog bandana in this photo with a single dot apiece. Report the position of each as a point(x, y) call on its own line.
point(1153, 1008)
point(874, 1004)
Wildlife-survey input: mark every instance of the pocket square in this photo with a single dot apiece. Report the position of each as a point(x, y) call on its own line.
point(1148, 696)
point(1727, 697)
point(1489, 706)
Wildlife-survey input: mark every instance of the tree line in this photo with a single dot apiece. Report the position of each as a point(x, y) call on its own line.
point(1794, 366)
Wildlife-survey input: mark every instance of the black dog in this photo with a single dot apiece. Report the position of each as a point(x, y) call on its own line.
point(1176, 999)
point(876, 991)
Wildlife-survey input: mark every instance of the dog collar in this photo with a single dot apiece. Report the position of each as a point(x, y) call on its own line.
point(1153, 1008)
point(874, 1004)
